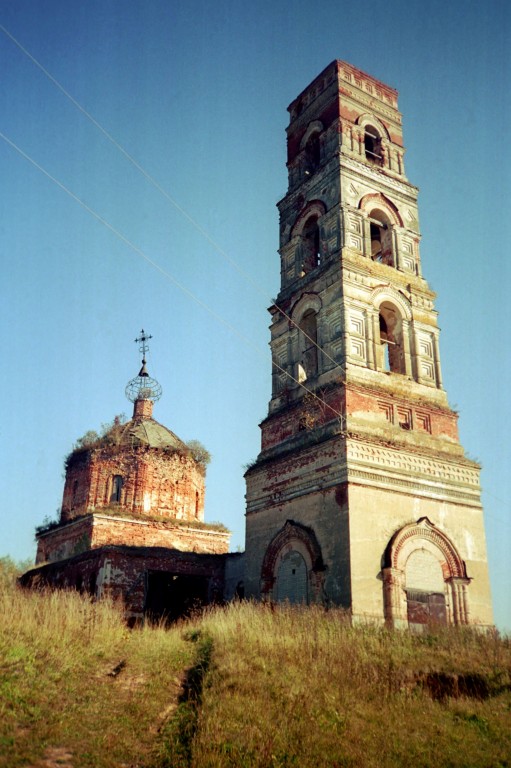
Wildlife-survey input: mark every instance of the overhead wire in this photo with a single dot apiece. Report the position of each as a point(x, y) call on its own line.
point(168, 275)
point(167, 196)
point(192, 221)
point(186, 215)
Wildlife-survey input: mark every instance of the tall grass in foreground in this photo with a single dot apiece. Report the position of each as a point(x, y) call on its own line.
point(302, 687)
point(77, 688)
point(262, 687)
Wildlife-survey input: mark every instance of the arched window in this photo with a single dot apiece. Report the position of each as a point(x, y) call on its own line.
point(311, 256)
point(391, 357)
point(381, 238)
point(372, 145)
point(312, 154)
point(116, 488)
point(308, 364)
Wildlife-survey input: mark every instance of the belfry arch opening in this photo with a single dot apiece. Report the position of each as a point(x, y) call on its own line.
point(391, 357)
point(308, 364)
point(372, 145)
point(381, 238)
point(311, 256)
point(312, 154)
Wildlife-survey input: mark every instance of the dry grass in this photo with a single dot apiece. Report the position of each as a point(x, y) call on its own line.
point(76, 687)
point(264, 687)
point(304, 688)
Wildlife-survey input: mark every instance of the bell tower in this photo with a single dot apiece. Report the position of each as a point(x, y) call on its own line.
point(361, 495)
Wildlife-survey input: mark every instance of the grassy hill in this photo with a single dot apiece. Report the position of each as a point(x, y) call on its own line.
point(243, 686)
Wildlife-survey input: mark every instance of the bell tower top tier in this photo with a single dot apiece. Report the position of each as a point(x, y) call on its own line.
point(363, 112)
point(344, 138)
point(353, 309)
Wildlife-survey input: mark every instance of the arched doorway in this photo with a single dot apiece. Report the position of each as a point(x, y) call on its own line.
point(425, 588)
point(424, 578)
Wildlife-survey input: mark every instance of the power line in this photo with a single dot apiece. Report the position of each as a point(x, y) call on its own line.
point(165, 273)
point(167, 196)
point(168, 275)
point(187, 216)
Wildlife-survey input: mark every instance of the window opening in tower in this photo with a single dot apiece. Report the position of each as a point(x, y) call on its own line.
point(312, 154)
point(309, 362)
point(390, 340)
point(311, 247)
point(381, 242)
point(372, 145)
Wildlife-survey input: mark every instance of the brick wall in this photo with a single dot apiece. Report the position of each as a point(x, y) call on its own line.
point(154, 482)
point(97, 530)
point(122, 573)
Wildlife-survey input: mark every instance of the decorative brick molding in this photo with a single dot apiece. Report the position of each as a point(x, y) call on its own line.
point(465, 473)
point(314, 208)
point(425, 530)
point(377, 200)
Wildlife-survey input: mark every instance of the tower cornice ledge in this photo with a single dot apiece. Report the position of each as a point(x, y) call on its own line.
point(382, 178)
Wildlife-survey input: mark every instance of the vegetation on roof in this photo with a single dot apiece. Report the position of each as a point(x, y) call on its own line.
point(111, 434)
point(114, 510)
point(199, 452)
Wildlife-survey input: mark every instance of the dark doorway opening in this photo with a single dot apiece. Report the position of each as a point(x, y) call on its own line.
point(171, 596)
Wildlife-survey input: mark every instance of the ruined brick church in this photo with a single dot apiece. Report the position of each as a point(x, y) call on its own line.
point(362, 495)
point(132, 518)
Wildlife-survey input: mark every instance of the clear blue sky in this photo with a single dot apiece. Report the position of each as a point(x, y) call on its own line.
point(197, 93)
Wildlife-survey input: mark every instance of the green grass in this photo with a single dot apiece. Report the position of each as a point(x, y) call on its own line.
point(301, 687)
point(61, 702)
point(244, 685)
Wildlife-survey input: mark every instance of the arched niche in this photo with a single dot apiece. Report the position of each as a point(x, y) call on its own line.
point(293, 567)
point(424, 578)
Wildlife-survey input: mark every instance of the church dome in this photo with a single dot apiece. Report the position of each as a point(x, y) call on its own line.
point(145, 432)
point(138, 468)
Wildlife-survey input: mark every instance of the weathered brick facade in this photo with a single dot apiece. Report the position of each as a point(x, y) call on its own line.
point(132, 522)
point(360, 443)
point(150, 580)
point(99, 530)
point(138, 468)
